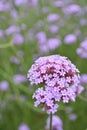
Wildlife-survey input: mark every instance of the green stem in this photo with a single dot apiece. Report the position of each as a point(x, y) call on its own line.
point(50, 121)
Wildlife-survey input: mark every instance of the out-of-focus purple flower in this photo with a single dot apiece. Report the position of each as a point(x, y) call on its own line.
point(53, 43)
point(14, 14)
point(33, 2)
point(15, 60)
point(56, 123)
point(60, 78)
point(78, 89)
point(21, 53)
point(18, 39)
point(23, 26)
point(77, 32)
point(83, 22)
point(83, 78)
point(53, 28)
point(10, 30)
point(40, 23)
point(1, 33)
point(20, 2)
point(72, 9)
point(41, 37)
point(3, 103)
point(58, 3)
point(43, 48)
point(72, 117)
point(82, 50)
point(4, 85)
point(45, 44)
point(18, 78)
point(45, 10)
point(52, 17)
point(70, 39)
point(8, 6)
point(21, 68)
point(23, 126)
point(23, 98)
point(4, 6)
point(1, 6)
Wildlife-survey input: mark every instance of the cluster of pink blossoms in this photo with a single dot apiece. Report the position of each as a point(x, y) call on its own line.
point(60, 79)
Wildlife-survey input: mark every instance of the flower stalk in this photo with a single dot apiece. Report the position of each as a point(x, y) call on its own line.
point(51, 121)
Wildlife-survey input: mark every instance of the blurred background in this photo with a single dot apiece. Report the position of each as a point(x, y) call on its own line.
point(30, 29)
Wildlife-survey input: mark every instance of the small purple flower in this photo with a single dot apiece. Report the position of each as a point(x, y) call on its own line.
point(15, 60)
point(33, 2)
point(53, 43)
point(82, 50)
point(53, 28)
point(70, 39)
point(72, 9)
point(11, 29)
point(60, 78)
point(56, 123)
point(52, 17)
point(45, 9)
point(59, 3)
point(1, 6)
point(83, 79)
point(18, 39)
point(72, 117)
point(4, 85)
point(45, 44)
point(23, 127)
point(18, 78)
point(83, 22)
point(14, 14)
point(23, 98)
point(41, 37)
point(20, 2)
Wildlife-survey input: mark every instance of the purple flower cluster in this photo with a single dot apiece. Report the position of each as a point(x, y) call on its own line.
point(60, 78)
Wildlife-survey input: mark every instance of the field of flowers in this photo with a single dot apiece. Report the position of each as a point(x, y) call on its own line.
point(30, 29)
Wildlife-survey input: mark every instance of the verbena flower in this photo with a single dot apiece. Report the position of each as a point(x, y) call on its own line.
point(82, 50)
point(72, 117)
point(83, 79)
point(56, 123)
point(19, 78)
point(60, 79)
point(23, 127)
point(4, 85)
point(70, 39)
point(52, 17)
